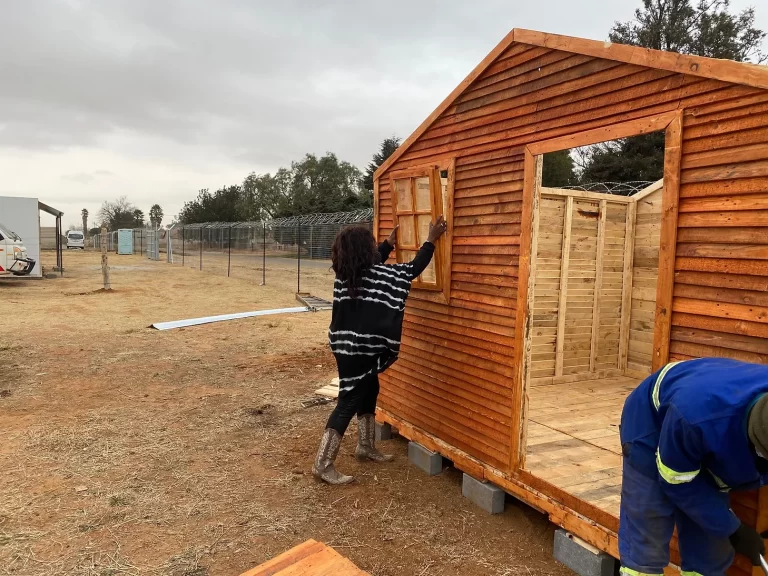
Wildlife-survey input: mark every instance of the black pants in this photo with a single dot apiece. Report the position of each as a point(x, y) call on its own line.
point(360, 400)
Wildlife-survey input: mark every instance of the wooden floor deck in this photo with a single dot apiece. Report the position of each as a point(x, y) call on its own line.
point(308, 559)
point(573, 437)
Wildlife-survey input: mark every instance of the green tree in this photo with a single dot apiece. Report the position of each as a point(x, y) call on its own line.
point(705, 29)
point(138, 218)
point(221, 206)
point(386, 149)
point(118, 213)
point(156, 215)
point(324, 184)
point(625, 160)
point(558, 170)
point(264, 195)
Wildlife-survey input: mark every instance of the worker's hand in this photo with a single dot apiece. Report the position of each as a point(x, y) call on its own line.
point(437, 229)
point(392, 239)
point(748, 542)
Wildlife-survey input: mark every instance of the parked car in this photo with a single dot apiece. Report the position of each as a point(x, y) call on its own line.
point(13, 254)
point(75, 239)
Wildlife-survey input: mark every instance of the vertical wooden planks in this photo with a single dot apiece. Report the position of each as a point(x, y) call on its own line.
point(645, 273)
point(668, 242)
point(626, 290)
point(595, 343)
point(549, 255)
point(563, 299)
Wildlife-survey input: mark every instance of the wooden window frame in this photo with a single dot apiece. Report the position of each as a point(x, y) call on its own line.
point(671, 124)
point(441, 204)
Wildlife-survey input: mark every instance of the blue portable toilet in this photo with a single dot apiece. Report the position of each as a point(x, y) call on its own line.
point(125, 241)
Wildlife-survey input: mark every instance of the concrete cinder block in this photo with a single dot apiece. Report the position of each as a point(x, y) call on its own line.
point(581, 557)
point(383, 432)
point(483, 494)
point(428, 461)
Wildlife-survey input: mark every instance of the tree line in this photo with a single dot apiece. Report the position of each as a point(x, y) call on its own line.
point(311, 185)
point(120, 213)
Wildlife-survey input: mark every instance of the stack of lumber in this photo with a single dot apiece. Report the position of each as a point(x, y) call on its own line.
point(330, 390)
point(308, 559)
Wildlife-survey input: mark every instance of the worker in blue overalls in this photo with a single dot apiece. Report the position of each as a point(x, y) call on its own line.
point(690, 433)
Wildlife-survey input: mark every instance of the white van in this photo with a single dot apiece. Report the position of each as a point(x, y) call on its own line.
point(13, 254)
point(75, 239)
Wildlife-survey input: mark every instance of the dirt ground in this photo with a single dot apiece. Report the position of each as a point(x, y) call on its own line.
point(124, 450)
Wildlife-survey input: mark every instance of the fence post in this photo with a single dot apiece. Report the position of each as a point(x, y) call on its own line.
point(229, 256)
point(182, 245)
point(105, 260)
point(298, 268)
point(311, 239)
point(201, 247)
point(264, 256)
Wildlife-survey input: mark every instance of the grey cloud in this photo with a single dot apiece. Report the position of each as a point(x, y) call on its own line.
point(87, 177)
point(265, 80)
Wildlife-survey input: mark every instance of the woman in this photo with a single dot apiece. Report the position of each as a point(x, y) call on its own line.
point(368, 305)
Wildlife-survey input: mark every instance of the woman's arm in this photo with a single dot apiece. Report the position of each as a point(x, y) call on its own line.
point(422, 260)
point(386, 247)
point(424, 255)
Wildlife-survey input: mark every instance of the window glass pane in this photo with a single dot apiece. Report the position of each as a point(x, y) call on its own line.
point(424, 222)
point(406, 236)
point(407, 255)
point(428, 276)
point(403, 192)
point(423, 195)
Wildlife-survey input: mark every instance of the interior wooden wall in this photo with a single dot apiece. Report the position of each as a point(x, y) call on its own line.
point(456, 374)
point(645, 273)
point(589, 334)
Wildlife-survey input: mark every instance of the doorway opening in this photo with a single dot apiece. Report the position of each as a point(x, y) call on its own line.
point(594, 273)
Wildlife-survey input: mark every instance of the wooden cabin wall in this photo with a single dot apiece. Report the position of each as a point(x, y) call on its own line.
point(456, 375)
point(645, 273)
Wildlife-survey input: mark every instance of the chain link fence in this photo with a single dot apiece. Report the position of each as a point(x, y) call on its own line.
point(298, 245)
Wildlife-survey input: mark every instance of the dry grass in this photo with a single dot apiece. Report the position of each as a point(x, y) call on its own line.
point(127, 451)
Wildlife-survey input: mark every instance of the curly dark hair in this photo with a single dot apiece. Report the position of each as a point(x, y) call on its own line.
point(353, 252)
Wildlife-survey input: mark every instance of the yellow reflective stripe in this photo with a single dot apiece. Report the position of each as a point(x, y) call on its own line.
point(631, 572)
point(657, 385)
point(673, 476)
point(690, 573)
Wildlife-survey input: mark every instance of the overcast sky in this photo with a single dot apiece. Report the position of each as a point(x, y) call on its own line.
point(155, 99)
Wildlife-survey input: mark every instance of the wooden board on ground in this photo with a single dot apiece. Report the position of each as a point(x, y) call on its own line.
point(313, 302)
point(308, 559)
point(330, 390)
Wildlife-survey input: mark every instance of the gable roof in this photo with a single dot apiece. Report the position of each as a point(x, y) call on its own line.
point(724, 70)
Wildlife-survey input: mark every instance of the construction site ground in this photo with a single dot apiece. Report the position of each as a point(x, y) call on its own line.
point(129, 451)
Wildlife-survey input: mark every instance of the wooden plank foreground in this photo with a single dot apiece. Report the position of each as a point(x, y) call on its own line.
point(309, 559)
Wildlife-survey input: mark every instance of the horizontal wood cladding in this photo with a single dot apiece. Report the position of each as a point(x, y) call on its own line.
point(721, 279)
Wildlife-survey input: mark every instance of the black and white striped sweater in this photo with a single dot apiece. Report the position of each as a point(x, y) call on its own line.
point(365, 330)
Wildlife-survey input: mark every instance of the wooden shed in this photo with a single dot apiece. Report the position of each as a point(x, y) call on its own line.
point(546, 307)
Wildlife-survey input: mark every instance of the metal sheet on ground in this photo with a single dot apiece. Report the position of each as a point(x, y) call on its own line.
point(223, 317)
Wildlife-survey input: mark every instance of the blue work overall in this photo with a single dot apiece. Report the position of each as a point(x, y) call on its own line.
point(685, 445)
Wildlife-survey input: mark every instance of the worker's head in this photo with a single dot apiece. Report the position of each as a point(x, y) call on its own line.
point(353, 252)
point(757, 426)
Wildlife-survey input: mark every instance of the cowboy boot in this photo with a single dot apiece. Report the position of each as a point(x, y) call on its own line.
point(366, 443)
point(323, 467)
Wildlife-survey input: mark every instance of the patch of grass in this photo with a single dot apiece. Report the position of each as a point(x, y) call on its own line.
point(118, 500)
